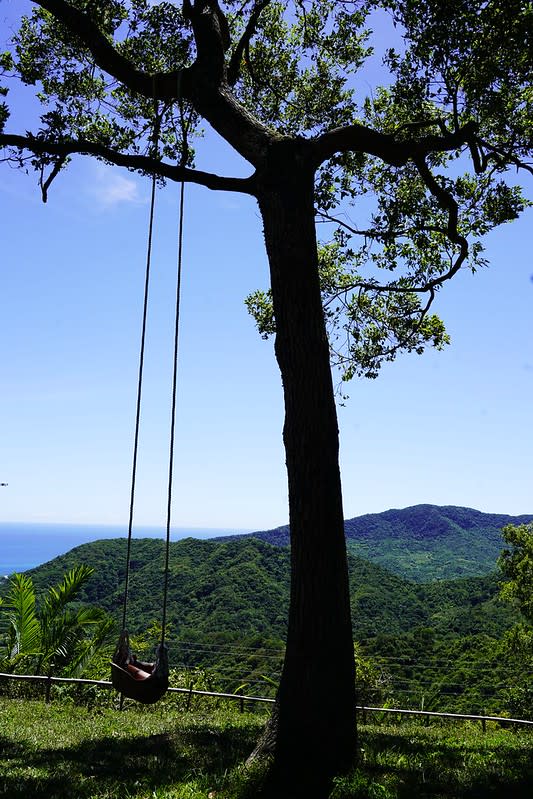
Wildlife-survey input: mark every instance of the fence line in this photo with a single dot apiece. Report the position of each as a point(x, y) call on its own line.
point(108, 684)
point(244, 698)
point(430, 713)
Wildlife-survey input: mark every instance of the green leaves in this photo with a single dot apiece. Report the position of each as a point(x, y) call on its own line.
point(6, 65)
point(55, 637)
point(24, 632)
point(474, 60)
point(295, 72)
point(395, 235)
point(372, 682)
point(259, 305)
point(516, 563)
point(80, 101)
point(456, 112)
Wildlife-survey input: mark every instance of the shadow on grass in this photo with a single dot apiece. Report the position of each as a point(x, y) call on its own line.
point(421, 767)
point(118, 767)
point(394, 766)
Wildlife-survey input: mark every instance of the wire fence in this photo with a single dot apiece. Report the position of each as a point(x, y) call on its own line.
point(242, 698)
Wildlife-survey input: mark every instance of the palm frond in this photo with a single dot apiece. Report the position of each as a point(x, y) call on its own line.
point(57, 637)
point(59, 596)
point(103, 635)
point(24, 630)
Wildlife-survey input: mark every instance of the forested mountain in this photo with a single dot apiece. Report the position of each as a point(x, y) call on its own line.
point(423, 542)
point(241, 588)
point(228, 602)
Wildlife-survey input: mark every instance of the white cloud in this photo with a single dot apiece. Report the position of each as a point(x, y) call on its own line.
point(111, 187)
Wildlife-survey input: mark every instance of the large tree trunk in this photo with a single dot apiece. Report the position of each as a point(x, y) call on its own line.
point(314, 724)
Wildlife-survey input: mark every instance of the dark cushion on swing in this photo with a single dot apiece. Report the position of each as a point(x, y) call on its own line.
point(146, 691)
point(144, 682)
point(138, 674)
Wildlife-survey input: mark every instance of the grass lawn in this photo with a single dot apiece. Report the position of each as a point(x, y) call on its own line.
point(67, 751)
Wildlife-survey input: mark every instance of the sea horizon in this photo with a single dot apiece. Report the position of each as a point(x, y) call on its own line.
point(25, 545)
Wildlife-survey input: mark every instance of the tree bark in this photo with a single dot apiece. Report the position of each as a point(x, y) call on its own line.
point(314, 724)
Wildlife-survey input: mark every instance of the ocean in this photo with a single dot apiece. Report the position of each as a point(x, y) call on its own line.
point(24, 545)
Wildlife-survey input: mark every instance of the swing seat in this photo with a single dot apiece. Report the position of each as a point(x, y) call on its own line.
point(137, 673)
point(136, 679)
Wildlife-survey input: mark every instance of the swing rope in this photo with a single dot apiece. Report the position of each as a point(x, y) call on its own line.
point(147, 682)
point(175, 360)
point(173, 405)
point(139, 398)
point(174, 391)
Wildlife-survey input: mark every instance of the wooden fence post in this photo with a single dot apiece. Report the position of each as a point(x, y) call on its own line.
point(189, 697)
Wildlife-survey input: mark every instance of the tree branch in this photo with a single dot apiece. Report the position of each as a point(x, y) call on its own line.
point(138, 163)
point(234, 67)
point(211, 32)
point(107, 57)
point(447, 202)
point(424, 124)
point(376, 233)
point(203, 83)
point(45, 184)
point(498, 156)
point(360, 138)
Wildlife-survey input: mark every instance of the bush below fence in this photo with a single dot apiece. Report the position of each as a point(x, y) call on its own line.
point(241, 698)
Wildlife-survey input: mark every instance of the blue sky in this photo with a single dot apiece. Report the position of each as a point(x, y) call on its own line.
point(446, 428)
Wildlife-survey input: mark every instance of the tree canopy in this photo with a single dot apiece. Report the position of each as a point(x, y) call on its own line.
point(516, 563)
point(405, 177)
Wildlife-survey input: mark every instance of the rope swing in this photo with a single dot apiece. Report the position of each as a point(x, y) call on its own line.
point(134, 678)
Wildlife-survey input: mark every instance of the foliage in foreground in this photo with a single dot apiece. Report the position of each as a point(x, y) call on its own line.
point(69, 752)
point(516, 563)
point(54, 636)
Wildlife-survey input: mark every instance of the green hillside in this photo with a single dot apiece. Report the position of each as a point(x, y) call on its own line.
point(423, 542)
point(228, 607)
point(435, 640)
point(240, 589)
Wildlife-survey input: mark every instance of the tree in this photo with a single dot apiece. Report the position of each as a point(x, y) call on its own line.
point(129, 82)
point(373, 682)
point(54, 638)
point(516, 563)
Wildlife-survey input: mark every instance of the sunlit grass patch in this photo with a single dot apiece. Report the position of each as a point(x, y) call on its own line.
point(64, 751)
point(440, 761)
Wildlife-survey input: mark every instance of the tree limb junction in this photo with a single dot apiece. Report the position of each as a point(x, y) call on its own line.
point(203, 83)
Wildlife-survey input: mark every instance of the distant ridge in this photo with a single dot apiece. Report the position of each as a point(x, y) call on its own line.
point(228, 603)
point(422, 542)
